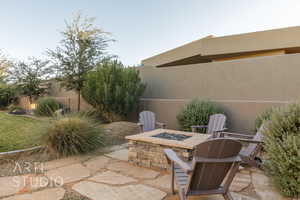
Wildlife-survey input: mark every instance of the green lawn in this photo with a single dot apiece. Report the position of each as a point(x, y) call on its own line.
point(18, 132)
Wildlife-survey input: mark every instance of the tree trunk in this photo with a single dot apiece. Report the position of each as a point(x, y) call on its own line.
point(78, 105)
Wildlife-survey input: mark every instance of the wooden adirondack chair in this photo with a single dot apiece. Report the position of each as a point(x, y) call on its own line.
point(147, 121)
point(216, 124)
point(212, 170)
point(249, 154)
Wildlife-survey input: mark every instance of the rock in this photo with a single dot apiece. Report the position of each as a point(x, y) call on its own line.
point(264, 188)
point(163, 182)
point(11, 185)
point(67, 174)
point(48, 194)
point(60, 162)
point(97, 191)
point(97, 163)
point(131, 170)
point(241, 181)
point(112, 178)
point(120, 154)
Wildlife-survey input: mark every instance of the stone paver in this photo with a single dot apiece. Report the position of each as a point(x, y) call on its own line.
point(97, 163)
point(120, 154)
point(241, 181)
point(163, 182)
point(48, 194)
point(35, 182)
point(97, 191)
point(61, 162)
point(112, 178)
point(68, 174)
point(131, 170)
point(11, 185)
point(263, 187)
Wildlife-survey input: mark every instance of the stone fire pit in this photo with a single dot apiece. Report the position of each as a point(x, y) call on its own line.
point(146, 149)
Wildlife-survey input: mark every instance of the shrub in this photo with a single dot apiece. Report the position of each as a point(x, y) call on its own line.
point(71, 135)
point(8, 95)
point(197, 112)
point(264, 116)
point(113, 90)
point(46, 106)
point(282, 146)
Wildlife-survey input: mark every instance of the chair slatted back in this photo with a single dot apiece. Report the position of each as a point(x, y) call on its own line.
point(222, 154)
point(147, 118)
point(253, 148)
point(216, 123)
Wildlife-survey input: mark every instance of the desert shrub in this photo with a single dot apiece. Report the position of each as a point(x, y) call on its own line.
point(197, 112)
point(46, 106)
point(8, 95)
point(282, 146)
point(73, 134)
point(264, 116)
point(113, 90)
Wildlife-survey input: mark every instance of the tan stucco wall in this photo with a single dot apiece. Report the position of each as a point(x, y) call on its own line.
point(243, 87)
point(252, 55)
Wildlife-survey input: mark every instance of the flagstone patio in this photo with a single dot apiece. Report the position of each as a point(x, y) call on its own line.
point(111, 177)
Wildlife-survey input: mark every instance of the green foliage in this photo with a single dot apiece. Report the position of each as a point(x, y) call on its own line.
point(8, 95)
point(264, 116)
point(82, 47)
point(197, 112)
point(74, 134)
point(47, 106)
point(113, 90)
point(29, 76)
point(282, 145)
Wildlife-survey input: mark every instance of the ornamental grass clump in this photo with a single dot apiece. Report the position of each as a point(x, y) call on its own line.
point(73, 134)
point(282, 146)
point(46, 106)
point(197, 112)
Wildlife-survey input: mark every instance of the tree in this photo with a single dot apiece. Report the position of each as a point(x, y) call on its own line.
point(82, 47)
point(113, 90)
point(29, 77)
point(4, 64)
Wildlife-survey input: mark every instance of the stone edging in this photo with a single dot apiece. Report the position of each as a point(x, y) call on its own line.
point(17, 152)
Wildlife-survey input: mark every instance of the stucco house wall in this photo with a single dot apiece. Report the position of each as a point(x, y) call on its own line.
point(244, 87)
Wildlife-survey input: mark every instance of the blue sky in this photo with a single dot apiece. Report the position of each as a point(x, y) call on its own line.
point(142, 28)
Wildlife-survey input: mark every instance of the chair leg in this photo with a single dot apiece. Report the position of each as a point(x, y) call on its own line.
point(172, 181)
point(227, 196)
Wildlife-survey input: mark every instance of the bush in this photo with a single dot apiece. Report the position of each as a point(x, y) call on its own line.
point(197, 112)
point(264, 116)
point(71, 135)
point(113, 90)
point(46, 106)
point(8, 95)
point(282, 146)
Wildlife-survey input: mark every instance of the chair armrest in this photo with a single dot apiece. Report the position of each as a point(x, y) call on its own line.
point(141, 125)
point(237, 135)
point(220, 130)
point(171, 156)
point(161, 125)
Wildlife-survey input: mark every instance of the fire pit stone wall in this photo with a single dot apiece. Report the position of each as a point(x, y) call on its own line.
point(147, 151)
